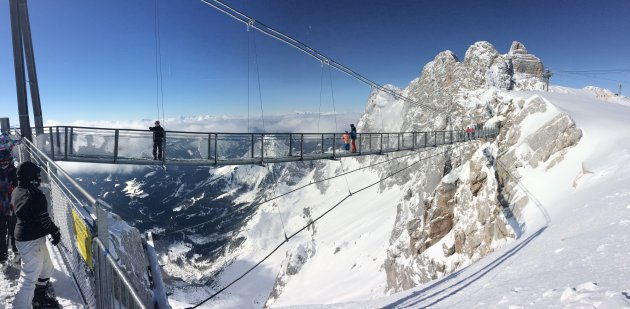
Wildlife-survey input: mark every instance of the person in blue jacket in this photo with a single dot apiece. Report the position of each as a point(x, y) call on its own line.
point(353, 136)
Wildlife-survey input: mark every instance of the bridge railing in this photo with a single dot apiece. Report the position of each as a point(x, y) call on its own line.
point(107, 145)
point(95, 267)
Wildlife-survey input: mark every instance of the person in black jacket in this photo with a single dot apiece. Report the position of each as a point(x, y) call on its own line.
point(32, 226)
point(158, 140)
point(8, 181)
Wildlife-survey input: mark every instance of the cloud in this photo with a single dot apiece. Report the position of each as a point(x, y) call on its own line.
point(299, 122)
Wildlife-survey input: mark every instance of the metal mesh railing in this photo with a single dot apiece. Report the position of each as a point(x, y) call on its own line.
point(95, 270)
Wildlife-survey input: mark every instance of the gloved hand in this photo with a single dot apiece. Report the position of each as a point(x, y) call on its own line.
point(56, 237)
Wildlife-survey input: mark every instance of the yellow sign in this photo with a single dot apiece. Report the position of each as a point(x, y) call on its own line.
point(84, 239)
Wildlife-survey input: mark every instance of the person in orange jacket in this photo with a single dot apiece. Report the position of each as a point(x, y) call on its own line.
point(346, 141)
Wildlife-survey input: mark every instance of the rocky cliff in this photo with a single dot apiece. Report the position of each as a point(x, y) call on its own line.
point(451, 217)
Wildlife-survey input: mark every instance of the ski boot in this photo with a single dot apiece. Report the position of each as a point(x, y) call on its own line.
point(44, 297)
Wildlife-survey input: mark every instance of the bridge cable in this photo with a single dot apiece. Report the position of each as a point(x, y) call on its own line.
point(332, 97)
point(249, 60)
point(159, 84)
point(412, 152)
point(230, 11)
point(321, 90)
point(310, 224)
point(262, 138)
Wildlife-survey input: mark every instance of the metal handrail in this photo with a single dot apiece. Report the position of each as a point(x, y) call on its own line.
point(228, 148)
point(29, 151)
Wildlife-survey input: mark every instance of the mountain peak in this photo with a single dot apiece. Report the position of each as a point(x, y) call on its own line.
point(517, 48)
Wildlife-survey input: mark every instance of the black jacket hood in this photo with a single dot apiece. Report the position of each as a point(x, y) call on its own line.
point(27, 171)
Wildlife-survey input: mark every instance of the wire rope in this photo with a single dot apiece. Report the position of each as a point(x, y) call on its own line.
point(239, 16)
point(262, 137)
point(412, 152)
point(310, 224)
point(158, 63)
point(332, 97)
point(248, 76)
point(321, 91)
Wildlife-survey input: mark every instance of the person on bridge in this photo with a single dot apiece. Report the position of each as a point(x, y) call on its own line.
point(158, 140)
point(353, 136)
point(32, 227)
point(8, 181)
point(346, 141)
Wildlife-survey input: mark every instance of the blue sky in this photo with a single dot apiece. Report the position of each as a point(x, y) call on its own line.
point(96, 60)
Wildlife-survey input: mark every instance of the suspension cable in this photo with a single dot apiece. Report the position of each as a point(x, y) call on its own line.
point(230, 11)
point(332, 97)
point(310, 184)
point(159, 86)
point(262, 138)
point(248, 75)
point(311, 223)
point(321, 91)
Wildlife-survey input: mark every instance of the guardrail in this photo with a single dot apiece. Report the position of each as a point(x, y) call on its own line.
point(95, 268)
point(129, 146)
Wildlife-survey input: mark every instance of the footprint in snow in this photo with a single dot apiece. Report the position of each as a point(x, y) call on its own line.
point(587, 287)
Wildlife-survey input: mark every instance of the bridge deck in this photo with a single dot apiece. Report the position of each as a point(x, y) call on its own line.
point(128, 146)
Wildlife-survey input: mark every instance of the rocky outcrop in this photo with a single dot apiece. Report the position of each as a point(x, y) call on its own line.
point(445, 225)
point(527, 68)
point(294, 261)
point(461, 222)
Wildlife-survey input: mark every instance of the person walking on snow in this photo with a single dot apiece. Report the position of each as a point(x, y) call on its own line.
point(8, 181)
point(32, 227)
point(158, 140)
point(353, 136)
point(346, 141)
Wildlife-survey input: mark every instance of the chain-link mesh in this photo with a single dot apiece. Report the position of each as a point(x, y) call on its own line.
point(75, 220)
point(62, 212)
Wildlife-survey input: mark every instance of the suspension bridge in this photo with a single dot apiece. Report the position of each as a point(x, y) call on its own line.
point(127, 146)
point(128, 275)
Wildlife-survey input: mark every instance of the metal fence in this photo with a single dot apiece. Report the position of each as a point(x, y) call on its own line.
point(106, 145)
point(95, 269)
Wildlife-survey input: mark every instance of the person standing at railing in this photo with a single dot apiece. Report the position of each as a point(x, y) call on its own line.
point(158, 140)
point(353, 136)
point(346, 141)
point(32, 227)
point(8, 181)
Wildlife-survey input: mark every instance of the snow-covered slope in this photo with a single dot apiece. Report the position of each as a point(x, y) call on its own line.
point(574, 253)
point(485, 223)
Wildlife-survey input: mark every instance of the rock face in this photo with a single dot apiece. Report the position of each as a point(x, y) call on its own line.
point(528, 69)
point(446, 83)
point(452, 217)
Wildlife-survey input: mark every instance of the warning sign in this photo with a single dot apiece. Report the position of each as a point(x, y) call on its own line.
point(84, 238)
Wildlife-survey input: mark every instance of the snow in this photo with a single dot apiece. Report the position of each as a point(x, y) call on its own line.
point(573, 252)
point(65, 289)
point(578, 258)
